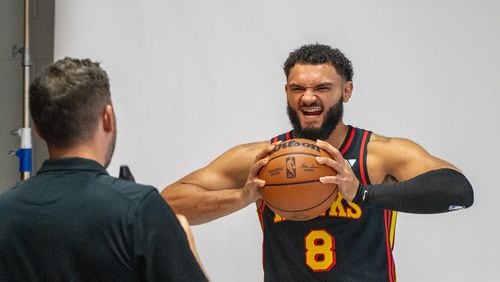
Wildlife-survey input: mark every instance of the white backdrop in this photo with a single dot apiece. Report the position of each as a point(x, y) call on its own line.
point(191, 79)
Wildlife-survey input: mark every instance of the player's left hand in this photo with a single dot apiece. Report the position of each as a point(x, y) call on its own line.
point(345, 179)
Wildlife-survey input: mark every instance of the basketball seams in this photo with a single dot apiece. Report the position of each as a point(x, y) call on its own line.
point(302, 157)
point(295, 153)
point(307, 209)
point(291, 183)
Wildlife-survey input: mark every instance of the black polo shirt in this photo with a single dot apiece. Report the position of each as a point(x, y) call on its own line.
point(74, 222)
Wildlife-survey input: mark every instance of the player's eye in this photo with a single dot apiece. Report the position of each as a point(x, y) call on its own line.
point(323, 88)
point(296, 89)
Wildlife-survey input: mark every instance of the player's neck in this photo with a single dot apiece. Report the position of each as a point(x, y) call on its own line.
point(338, 135)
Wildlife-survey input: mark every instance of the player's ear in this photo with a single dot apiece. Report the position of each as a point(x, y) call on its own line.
point(348, 87)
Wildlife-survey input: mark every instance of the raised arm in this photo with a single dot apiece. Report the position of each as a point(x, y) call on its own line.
point(426, 184)
point(423, 183)
point(227, 184)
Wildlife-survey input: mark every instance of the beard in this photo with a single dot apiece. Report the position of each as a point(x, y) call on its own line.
point(333, 116)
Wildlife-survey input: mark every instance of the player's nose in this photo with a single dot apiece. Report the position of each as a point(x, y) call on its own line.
point(309, 97)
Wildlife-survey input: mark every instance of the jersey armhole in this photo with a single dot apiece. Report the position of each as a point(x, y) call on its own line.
point(363, 166)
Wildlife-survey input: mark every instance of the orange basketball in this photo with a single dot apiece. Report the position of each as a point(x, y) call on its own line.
point(292, 175)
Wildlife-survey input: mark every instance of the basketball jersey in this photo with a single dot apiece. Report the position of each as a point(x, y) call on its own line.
point(346, 243)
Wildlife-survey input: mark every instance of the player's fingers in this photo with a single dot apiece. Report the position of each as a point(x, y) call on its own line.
point(329, 180)
point(277, 143)
point(259, 182)
point(262, 154)
point(331, 163)
point(252, 181)
point(254, 171)
point(337, 179)
point(334, 152)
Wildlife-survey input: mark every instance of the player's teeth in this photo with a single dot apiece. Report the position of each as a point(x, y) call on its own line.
point(311, 110)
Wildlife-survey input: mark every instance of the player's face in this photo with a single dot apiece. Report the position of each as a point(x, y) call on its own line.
point(333, 116)
point(315, 94)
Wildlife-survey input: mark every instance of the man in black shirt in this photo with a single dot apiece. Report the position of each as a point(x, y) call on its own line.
point(74, 222)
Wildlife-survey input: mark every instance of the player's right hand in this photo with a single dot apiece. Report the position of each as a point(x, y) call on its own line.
point(251, 190)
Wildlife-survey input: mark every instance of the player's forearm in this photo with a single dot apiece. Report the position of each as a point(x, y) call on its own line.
point(199, 205)
point(435, 191)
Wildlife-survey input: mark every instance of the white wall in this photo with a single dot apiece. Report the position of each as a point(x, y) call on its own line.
point(192, 78)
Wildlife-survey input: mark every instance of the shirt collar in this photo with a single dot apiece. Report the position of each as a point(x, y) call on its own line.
point(72, 164)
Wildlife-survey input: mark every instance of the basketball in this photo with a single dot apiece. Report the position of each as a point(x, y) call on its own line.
point(293, 189)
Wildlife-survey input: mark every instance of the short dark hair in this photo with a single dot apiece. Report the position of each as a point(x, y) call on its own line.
point(317, 54)
point(67, 99)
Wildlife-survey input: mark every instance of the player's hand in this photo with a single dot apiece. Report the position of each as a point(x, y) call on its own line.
point(251, 190)
point(345, 179)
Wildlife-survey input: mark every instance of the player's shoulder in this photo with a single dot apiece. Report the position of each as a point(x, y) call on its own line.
point(393, 151)
point(385, 153)
point(380, 142)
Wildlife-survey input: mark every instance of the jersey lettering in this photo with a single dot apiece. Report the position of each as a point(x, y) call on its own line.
point(339, 208)
point(344, 209)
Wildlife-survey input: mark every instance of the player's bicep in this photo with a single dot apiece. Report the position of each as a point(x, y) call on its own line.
point(197, 186)
point(228, 171)
point(406, 159)
point(209, 178)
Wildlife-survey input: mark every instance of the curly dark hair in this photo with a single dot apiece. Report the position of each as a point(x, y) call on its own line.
point(316, 54)
point(67, 99)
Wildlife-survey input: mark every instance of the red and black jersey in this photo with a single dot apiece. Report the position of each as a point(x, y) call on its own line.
point(346, 243)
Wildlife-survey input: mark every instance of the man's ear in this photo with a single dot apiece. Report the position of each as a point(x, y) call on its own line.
point(108, 119)
point(348, 87)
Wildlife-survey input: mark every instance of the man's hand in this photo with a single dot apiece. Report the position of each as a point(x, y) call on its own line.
point(345, 179)
point(251, 190)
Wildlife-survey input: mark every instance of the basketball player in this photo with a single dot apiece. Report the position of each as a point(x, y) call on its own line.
point(73, 221)
point(376, 177)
